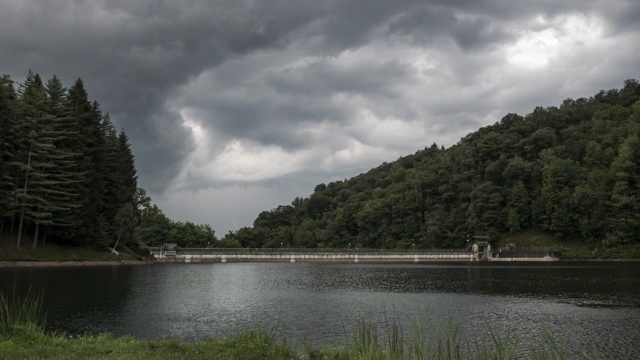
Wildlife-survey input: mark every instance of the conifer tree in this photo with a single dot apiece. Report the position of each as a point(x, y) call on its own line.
point(127, 178)
point(126, 184)
point(110, 172)
point(91, 225)
point(34, 150)
point(65, 177)
point(7, 122)
point(119, 178)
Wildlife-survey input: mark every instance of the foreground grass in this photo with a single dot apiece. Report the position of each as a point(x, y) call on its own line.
point(34, 344)
point(22, 336)
point(37, 345)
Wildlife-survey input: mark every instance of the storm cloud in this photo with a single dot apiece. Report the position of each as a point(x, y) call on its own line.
point(233, 107)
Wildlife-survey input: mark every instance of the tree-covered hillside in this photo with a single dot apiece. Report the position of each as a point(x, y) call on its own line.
point(572, 171)
point(67, 175)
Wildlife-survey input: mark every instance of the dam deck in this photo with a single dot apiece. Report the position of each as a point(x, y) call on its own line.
point(343, 257)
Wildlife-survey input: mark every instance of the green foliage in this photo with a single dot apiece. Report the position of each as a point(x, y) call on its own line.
point(155, 228)
point(250, 345)
point(21, 315)
point(68, 176)
point(570, 171)
point(7, 126)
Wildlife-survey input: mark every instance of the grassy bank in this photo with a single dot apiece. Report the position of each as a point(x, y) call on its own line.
point(57, 253)
point(37, 345)
point(22, 337)
point(29, 343)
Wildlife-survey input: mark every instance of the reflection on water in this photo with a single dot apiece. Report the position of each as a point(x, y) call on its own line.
point(590, 306)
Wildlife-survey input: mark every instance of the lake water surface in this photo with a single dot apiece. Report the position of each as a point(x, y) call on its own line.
point(591, 306)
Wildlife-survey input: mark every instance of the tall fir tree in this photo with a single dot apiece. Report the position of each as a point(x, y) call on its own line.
point(63, 190)
point(127, 178)
point(7, 123)
point(91, 226)
point(110, 172)
point(34, 150)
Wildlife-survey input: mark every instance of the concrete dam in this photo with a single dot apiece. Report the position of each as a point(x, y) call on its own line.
point(224, 257)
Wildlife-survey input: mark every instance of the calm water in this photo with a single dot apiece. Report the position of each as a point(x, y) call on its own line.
point(592, 306)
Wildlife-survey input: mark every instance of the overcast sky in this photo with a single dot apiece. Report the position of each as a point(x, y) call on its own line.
point(234, 107)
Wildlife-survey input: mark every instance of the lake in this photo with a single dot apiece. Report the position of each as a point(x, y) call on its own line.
point(593, 306)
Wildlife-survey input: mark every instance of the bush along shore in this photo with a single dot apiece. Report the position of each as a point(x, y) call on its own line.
point(22, 336)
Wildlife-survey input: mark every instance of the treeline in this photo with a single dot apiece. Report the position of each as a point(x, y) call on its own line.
point(155, 229)
point(572, 171)
point(67, 175)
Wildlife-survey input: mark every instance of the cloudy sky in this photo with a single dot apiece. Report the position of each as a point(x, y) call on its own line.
point(234, 107)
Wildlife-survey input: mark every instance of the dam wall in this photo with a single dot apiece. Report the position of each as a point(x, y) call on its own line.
point(314, 257)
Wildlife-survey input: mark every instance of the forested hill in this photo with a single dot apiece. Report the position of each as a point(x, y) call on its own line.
point(67, 176)
point(572, 171)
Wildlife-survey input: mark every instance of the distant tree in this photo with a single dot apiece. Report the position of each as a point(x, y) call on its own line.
point(556, 210)
point(625, 197)
point(153, 227)
point(485, 211)
point(592, 198)
point(518, 208)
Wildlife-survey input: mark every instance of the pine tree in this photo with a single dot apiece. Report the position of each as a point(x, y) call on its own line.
point(127, 178)
point(65, 177)
point(7, 121)
point(91, 225)
point(34, 154)
point(119, 178)
point(112, 202)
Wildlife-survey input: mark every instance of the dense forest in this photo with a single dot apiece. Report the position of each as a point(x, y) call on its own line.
point(67, 176)
point(571, 171)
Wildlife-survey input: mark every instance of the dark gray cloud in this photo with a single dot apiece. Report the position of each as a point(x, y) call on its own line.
point(223, 98)
point(133, 54)
point(266, 105)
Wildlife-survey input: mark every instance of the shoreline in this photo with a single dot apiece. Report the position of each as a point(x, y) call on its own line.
point(8, 264)
point(4, 264)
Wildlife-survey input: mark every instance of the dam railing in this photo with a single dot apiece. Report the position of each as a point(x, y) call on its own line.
point(185, 250)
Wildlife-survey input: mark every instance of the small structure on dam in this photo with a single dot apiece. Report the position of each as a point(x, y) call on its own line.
point(480, 247)
point(168, 250)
